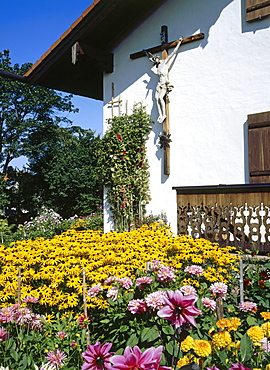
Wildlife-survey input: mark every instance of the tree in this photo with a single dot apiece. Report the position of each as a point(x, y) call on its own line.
point(65, 173)
point(27, 110)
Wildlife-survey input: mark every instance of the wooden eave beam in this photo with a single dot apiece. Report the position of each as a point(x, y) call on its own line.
point(103, 59)
point(156, 49)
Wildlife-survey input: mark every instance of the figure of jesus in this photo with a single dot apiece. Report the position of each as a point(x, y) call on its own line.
point(162, 68)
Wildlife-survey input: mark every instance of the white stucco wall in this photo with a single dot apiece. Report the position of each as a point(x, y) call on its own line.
point(217, 82)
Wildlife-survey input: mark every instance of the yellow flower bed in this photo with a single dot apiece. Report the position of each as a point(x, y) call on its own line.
point(52, 268)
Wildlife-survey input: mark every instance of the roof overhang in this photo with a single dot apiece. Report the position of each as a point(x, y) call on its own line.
point(77, 61)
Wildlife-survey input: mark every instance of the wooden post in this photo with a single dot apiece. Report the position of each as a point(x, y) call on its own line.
point(85, 308)
point(19, 284)
point(166, 122)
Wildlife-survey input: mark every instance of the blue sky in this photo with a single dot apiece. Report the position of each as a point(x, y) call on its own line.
point(28, 28)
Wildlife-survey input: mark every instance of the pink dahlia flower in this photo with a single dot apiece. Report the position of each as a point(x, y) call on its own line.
point(110, 280)
point(188, 289)
point(3, 334)
point(208, 302)
point(265, 344)
point(179, 308)
point(125, 282)
point(56, 358)
point(93, 292)
point(218, 288)
point(135, 359)
point(155, 265)
point(239, 366)
point(165, 273)
point(113, 293)
point(142, 281)
point(212, 368)
point(8, 314)
point(28, 299)
point(247, 306)
point(194, 270)
point(137, 306)
point(97, 357)
point(62, 335)
point(155, 299)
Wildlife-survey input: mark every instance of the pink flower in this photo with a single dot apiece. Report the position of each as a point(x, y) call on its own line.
point(165, 273)
point(137, 306)
point(30, 300)
point(110, 280)
point(265, 344)
point(73, 344)
point(247, 306)
point(56, 358)
point(126, 282)
point(142, 281)
point(3, 334)
point(62, 335)
point(7, 314)
point(179, 308)
point(155, 265)
point(23, 316)
point(97, 357)
point(36, 323)
point(135, 359)
point(93, 292)
point(239, 366)
point(155, 300)
point(212, 368)
point(119, 137)
point(194, 270)
point(83, 321)
point(112, 293)
point(219, 289)
point(207, 302)
point(188, 289)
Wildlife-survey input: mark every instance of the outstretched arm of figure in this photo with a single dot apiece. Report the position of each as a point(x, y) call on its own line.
point(175, 49)
point(148, 54)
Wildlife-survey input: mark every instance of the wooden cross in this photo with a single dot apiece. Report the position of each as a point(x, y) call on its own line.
point(164, 47)
point(113, 102)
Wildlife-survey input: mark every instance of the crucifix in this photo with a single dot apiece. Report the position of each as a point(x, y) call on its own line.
point(161, 67)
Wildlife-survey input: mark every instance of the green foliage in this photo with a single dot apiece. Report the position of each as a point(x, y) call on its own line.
point(62, 170)
point(48, 223)
point(27, 347)
point(64, 175)
point(26, 111)
point(125, 167)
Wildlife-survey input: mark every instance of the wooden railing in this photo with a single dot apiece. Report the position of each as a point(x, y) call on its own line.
point(236, 215)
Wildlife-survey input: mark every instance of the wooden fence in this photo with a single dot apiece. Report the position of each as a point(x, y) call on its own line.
point(236, 215)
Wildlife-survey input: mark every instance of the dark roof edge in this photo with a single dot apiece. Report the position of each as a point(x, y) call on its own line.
point(221, 189)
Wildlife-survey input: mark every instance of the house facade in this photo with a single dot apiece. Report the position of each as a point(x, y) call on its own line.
point(218, 110)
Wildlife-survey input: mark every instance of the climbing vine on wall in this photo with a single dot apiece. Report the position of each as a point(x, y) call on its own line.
point(125, 167)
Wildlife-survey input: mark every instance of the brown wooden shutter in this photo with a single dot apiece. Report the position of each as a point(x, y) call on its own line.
point(259, 147)
point(257, 9)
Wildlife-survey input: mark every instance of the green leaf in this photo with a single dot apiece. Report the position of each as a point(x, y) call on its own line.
point(172, 348)
point(168, 330)
point(246, 348)
point(133, 340)
point(14, 354)
point(149, 334)
point(252, 321)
